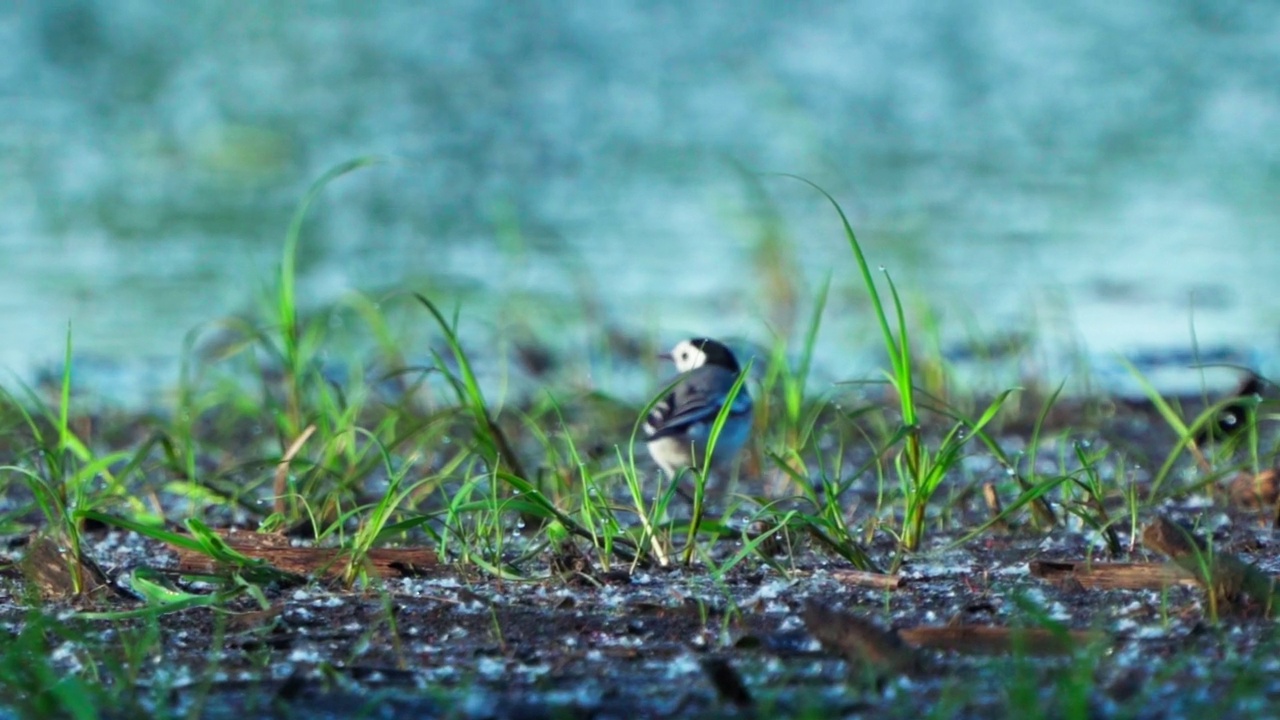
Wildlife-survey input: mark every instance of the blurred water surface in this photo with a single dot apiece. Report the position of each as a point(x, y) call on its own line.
point(1084, 172)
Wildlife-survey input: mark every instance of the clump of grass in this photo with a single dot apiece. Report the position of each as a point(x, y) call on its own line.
point(793, 428)
point(61, 475)
point(503, 467)
point(296, 349)
point(490, 439)
point(919, 467)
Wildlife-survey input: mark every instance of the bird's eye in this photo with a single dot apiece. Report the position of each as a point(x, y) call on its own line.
point(684, 355)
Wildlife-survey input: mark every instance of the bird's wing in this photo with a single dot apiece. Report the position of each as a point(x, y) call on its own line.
point(696, 399)
point(663, 421)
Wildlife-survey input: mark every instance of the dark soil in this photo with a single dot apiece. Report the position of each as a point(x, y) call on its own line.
point(579, 640)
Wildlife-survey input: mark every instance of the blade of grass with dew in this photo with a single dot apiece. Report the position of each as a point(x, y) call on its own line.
point(632, 476)
point(878, 308)
point(700, 483)
point(597, 514)
point(467, 388)
point(161, 599)
point(154, 532)
point(371, 529)
point(898, 349)
point(1036, 493)
point(648, 540)
point(1199, 424)
point(945, 458)
point(749, 547)
point(794, 390)
point(287, 300)
point(1186, 436)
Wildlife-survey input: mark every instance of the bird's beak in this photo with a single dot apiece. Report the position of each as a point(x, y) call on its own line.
point(664, 356)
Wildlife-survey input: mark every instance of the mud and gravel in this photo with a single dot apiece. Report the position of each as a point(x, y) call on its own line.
point(580, 640)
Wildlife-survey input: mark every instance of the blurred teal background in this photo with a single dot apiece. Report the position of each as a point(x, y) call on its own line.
point(1079, 171)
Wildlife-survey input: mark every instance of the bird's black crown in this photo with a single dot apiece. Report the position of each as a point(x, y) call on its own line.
point(717, 353)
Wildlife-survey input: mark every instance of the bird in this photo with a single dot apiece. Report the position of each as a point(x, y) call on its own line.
point(679, 424)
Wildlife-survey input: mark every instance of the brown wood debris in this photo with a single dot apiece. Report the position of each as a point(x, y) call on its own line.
point(280, 553)
point(994, 507)
point(1111, 576)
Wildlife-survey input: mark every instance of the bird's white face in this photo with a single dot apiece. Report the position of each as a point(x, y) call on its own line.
point(687, 356)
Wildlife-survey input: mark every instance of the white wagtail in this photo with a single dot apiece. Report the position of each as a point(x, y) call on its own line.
point(679, 426)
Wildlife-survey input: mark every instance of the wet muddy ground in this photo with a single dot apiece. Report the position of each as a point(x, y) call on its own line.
point(573, 639)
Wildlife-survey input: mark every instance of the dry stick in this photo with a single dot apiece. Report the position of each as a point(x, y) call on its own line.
point(993, 505)
point(1111, 576)
point(282, 468)
point(877, 581)
point(655, 547)
point(1226, 576)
